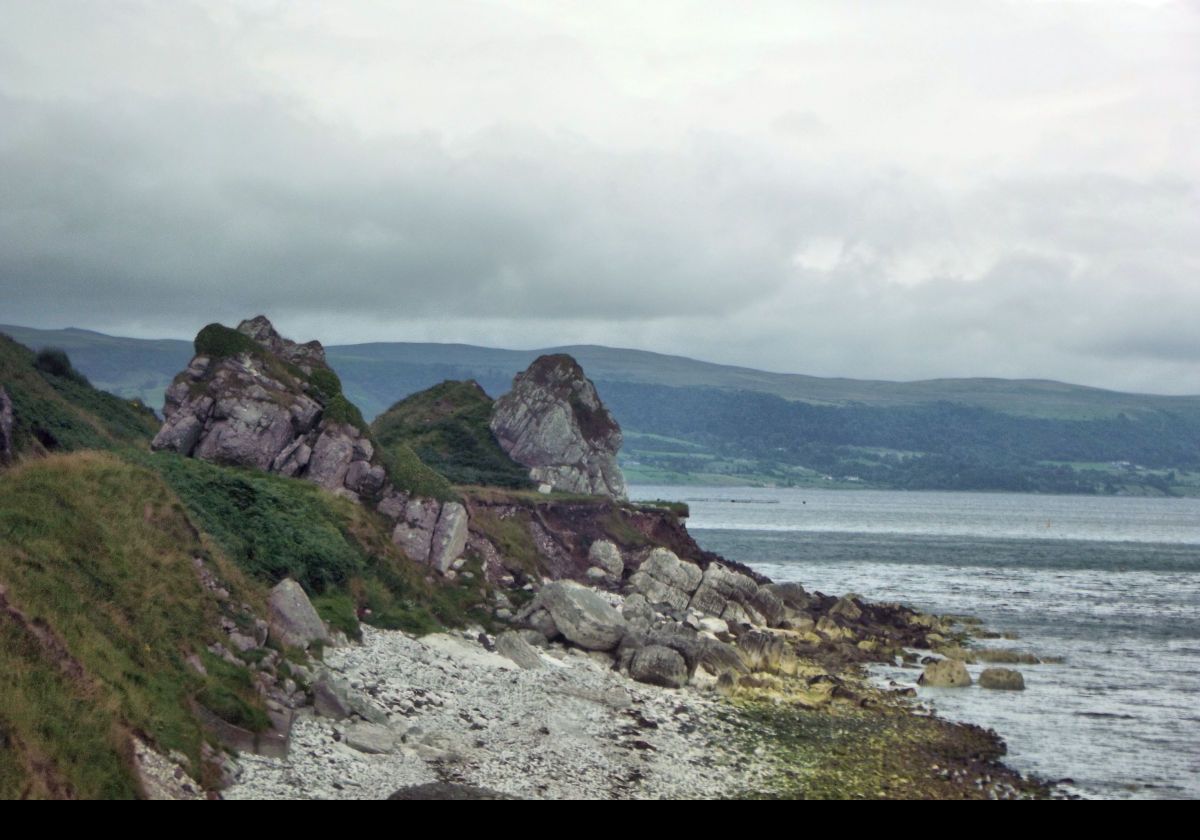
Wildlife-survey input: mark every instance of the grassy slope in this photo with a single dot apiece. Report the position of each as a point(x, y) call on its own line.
point(64, 413)
point(446, 426)
point(275, 527)
point(101, 552)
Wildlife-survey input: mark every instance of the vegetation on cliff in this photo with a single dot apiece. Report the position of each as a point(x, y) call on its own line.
point(56, 410)
point(101, 608)
point(446, 427)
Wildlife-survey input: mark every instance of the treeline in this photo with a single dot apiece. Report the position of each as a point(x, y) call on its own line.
point(952, 446)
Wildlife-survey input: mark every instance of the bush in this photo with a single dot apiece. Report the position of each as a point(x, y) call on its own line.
point(56, 362)
point(218, 341)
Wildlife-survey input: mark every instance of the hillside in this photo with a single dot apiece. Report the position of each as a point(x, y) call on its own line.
point(446, 426)
point(693, 422)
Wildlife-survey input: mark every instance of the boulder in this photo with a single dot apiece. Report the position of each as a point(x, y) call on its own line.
point(767, 652)
point(945, 673)
point(513, 646)
point(582, 616)
point(553, 422)
point(7, 447)
point(846, 608)
point(331, 697)
point(665, 579)
point(605, 555)
point(293, 619)
point(449, 536)
point(370, 738)
point(1002, 679)
point(719, 587)
point(793, 595)
point(659, 665)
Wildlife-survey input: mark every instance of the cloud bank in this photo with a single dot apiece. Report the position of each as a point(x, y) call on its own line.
point(942, 189)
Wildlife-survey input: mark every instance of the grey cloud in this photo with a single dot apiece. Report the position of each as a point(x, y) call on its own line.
point(150, 195)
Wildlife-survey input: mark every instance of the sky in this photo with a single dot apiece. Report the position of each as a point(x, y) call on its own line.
point(895, 190)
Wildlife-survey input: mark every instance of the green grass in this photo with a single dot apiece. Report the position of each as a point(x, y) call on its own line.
point(447, 428)
point(100, 552)
point(56, 410)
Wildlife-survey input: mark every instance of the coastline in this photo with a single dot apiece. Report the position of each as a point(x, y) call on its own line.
point(447, 710)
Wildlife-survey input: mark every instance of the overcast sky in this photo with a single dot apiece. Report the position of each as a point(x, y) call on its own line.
point(884, 189)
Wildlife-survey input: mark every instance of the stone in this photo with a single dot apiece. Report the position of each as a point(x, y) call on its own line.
point(604, 554)
point(1002, 679)
point(293, 619)
point(793, 595)
point(542, 622)
point(513, 646)
point(449, 537)
point(370, 738)
point(659, 665)
point(665, 579)
point(716, 626)
point(582, 616)
point(7, 419)
point(846, 608)
point(331, 698)
point(719, 586)
point(637, 611)
point(763, 651)
point(945, 673)
point(553, 422)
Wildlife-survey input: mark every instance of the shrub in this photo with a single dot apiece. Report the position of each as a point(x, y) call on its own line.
point(218, 341)
point(56, 362)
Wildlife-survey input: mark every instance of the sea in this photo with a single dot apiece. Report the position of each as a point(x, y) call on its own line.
point(1110, 585)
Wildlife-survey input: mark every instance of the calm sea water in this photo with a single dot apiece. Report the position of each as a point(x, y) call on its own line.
point(1110, 584)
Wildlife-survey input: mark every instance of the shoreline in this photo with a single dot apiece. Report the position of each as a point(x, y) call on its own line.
point(447, 710)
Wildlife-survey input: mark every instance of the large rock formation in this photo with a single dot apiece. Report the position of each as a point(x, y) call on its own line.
point(6, 427)
point(553, 422)
point(253, 398)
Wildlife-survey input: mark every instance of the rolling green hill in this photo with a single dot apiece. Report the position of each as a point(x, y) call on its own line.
point(1030, 435)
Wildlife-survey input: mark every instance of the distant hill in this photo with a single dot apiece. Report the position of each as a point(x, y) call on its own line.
point(693, 421)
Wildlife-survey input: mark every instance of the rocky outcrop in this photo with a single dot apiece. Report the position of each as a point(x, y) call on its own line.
point(7, 420)
point(665, 579)
point(553, 422)
point(255, 399)
point(293, 619)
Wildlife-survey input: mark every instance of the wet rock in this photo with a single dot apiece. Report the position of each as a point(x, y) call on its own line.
point(1002, 679)
point(582, 616)
point(846, 608)
point(945, 673)
point(293, 619)
point(659, 665)
point(553, 422)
